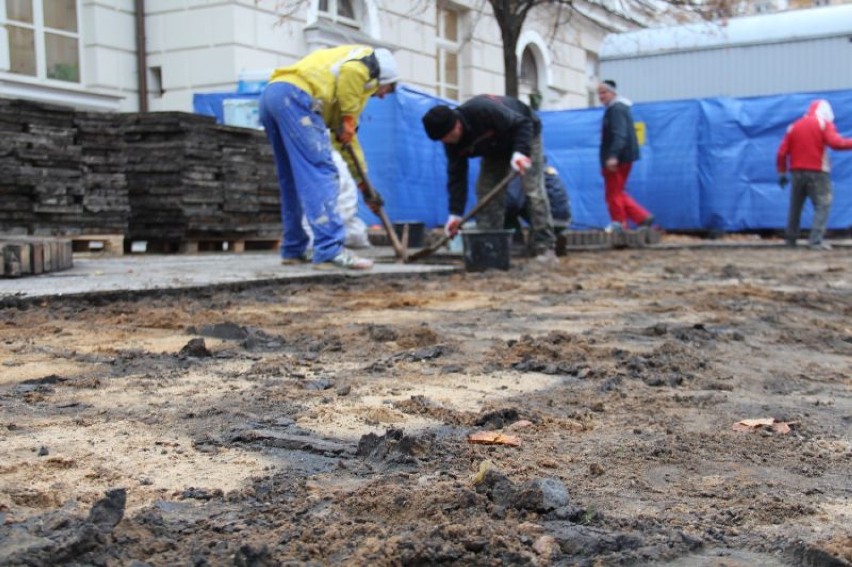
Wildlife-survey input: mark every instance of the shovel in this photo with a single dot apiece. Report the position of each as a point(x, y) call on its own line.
point(371, 194)
point(478, 207)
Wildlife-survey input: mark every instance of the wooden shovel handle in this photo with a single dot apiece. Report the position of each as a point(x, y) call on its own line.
point(372, 194)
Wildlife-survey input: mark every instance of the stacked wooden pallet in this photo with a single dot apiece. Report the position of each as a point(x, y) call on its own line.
point(191, 180)
point(249, 182)
point(50, 181)
point(104, 159)
point(578, 239)
point(164, 177)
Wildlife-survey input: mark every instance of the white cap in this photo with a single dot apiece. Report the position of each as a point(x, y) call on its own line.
point(388, 72)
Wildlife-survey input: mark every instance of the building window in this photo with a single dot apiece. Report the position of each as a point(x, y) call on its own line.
point(764, 7)
point(43, 38)
point(529, 70)
point(528, 79)
point(592, 73)
point(345, 12)
point(447, 58)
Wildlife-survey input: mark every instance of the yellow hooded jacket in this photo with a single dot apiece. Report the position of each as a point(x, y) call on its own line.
point(340, 80)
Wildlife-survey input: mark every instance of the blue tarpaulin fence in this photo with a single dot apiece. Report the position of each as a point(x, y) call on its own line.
point(707, 164)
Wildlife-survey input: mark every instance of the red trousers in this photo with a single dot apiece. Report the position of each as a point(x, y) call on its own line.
point(621, 206)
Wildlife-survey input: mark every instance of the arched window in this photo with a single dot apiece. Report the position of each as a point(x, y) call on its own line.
point(528, 79)
point(529, 70)
point(535, 82)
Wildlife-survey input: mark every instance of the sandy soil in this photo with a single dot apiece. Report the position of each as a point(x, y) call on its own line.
point(328, 422)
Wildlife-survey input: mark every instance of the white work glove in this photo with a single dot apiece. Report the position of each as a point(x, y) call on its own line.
point(453, 225)
point(520, 162)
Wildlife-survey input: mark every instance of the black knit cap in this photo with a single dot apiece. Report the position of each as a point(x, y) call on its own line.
point(439, 121)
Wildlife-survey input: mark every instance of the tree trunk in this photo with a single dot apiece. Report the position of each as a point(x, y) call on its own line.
point(510, 64)
point(510, 16)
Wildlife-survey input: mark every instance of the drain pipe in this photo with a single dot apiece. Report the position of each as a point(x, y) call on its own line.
point(141, 56)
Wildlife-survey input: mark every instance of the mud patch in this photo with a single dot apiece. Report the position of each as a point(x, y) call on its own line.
point(328, 423)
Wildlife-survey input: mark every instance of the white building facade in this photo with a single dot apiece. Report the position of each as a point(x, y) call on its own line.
point(154, 55)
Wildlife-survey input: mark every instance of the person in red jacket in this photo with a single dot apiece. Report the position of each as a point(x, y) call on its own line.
point(805, 146)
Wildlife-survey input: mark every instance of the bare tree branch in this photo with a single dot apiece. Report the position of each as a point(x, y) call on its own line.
point(511, 15)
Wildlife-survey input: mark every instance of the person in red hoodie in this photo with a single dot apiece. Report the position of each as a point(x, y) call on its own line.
point(805, 146)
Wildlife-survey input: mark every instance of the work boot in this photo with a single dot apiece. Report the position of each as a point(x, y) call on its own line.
point(345, 260)
point(819, 246)
point(648, 222)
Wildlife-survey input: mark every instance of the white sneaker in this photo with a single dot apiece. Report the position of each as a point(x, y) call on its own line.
point(357, 241)
point(547, 258)
point(820, 246)
point(345, 261)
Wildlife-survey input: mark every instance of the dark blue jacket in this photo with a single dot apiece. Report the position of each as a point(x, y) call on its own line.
point(618, 134)
point(560, 204)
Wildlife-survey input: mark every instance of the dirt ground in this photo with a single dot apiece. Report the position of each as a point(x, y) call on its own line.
point(328, 422)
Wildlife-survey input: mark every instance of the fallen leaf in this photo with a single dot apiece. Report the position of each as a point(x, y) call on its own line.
point(757, 422)
point(782, 427)
point(494, 438)
point(520, 424)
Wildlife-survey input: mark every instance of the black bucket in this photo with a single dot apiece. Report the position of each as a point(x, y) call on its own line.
point(416, 232)
point(487, 249)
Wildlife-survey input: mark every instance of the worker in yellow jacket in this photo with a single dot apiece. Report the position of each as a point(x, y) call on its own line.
point(328, 89)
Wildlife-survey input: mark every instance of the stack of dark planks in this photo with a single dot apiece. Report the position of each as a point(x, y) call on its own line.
point(104, 156)
point(168, 176)
point(51, 182)
point(190, 179)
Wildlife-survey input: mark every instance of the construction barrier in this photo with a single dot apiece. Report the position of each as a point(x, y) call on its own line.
point(707, 164)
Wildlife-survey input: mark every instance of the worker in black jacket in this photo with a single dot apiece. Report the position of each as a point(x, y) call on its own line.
point(506, 133)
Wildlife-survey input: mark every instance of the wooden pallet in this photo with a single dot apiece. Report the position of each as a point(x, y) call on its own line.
point(31, 256)
point(106, 244)
point(195, 246)
point(581, 239)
